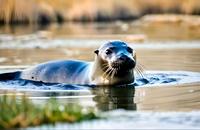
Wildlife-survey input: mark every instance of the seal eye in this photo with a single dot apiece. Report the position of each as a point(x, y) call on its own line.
point(130, 50)
point(108, 51)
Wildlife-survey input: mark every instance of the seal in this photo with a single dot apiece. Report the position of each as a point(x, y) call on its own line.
point(114, 64)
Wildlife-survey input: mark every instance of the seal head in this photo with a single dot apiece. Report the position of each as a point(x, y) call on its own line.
point(114, 64)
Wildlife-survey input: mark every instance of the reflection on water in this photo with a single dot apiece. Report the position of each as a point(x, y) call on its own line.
point(104, 98)
point(114, 97)
point(176, 98)
point(184, 97)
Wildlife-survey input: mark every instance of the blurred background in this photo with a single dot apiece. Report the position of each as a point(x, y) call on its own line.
point(34, 31)
point(81, 16)
point(45, 11)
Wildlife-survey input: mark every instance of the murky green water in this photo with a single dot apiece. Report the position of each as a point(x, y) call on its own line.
point(159, 47)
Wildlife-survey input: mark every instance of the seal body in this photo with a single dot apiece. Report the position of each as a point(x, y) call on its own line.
point(60, 71)
point(114, 64)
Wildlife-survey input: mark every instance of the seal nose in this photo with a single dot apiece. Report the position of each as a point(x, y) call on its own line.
point(124, 58)
point(128, 62)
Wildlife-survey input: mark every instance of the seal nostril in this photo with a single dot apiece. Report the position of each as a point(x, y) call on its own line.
point(123, 57)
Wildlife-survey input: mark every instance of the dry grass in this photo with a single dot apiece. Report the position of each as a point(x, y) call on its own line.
point(89, 10)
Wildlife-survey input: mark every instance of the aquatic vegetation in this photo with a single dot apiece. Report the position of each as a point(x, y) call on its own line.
point(19, 111)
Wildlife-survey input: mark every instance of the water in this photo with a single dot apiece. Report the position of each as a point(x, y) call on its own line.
point(171, 60)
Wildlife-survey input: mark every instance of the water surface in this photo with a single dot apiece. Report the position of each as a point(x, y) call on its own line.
point(169, 54)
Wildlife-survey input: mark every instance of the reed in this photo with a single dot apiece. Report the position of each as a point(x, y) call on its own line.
point(18, 111)
point(45, 11)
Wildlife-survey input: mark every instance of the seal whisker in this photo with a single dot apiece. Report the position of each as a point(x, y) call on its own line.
point(140, 72)
point(105, 64)
point(116, 70)
point(110, 72)
point(105, 73)
point(140, 66)
point(105, 67)
point(113, 73)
